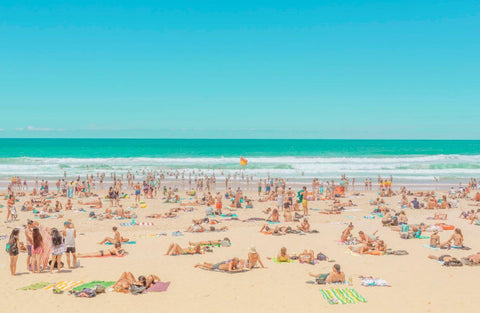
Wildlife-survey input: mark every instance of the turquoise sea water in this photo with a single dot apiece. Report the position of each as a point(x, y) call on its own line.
point(407, 160)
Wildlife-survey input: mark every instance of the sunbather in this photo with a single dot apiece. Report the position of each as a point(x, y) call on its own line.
point(455, 240)
point(233, 265)
point(115, 251)
point(175, 249)
point(283, 256)
point(336, 276)
point(253, 258)
point(117, 237)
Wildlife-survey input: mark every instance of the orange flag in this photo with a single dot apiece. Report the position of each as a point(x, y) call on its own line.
point(243, 161)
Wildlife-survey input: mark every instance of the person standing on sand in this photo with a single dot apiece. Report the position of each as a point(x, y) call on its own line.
point(70, 234)
point(218, 204)
point(305, 201)
point(137, 192)
point(280, 198)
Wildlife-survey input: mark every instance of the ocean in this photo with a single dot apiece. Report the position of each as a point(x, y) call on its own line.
point(408, 161)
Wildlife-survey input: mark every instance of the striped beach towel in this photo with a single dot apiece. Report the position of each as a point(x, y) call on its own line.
point(343, 296)
point(65, 285)
point(145, 224)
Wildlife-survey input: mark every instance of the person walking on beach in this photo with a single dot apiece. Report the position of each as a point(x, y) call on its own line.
point(69, 233)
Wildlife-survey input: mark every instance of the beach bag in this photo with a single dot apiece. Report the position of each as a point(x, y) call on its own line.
point(99, 289)
point(321, 280)
point(321, 257)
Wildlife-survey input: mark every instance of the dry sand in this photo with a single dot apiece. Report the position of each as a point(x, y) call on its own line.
point(418, 284)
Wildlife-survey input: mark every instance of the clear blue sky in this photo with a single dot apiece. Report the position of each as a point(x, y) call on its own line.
point(269, 69)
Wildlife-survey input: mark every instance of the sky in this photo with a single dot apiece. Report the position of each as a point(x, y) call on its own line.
point(244, 69)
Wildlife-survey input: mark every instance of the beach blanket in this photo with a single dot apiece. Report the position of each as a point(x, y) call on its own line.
point(107, 255)
point(177, 233)
point(159, 287)
point(127, 224)
point(343, 296)
point(123, 243)
point(430, 247)
point(92, 284)
point(64, 285)
point(145, 224)
point(457, 247)
point(150, 235)
point(220, 271)
point(277, 261)
point(36, 286)
point(370, 281)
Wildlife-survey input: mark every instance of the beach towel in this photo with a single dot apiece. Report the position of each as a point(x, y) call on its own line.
point(36, 286)
point(177, 233)
point(270, 222)
point(343, 296)
point(370, 282)
point(229, 215)
point(64, 285)
point(457, 247)
point(123, 243)
point(277, 261)
point(92, 284)
point(127, 224)
point(159, 287)
point(145, 224)
point(430, 247)
point(107, 255)
point(220, 271)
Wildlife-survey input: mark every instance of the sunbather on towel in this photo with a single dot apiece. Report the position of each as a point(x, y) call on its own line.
point(283, 256)
point(218, 242)
point(336, 276)
point(116, 237)
point(127, 279)
point(304, 226)
point(435, 240)
point(442, 258)
point(363, 249)
point(306, 257)
point(346, 234)
point(175, 249)
point(474, 258)
point(115, 251)
point(233, 265)
point(456, 239)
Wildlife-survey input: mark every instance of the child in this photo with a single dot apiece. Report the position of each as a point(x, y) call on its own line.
point(12, 249)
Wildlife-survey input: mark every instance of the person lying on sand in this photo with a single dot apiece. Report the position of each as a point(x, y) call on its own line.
point(363, 249)
point(127, 279)
point(116, 238)
point(175, 249)
point(115, 251)
point(335, 276)
point(253, 258)
point(443, 258)
point(219, 242)
point(474, 258)
point(233, 265)
point(93, 204)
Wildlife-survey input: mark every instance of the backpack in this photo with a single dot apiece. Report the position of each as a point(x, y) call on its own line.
point(321, 257)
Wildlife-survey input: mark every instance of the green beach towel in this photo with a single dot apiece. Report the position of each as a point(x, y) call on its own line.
point(36, 286)
point(343, 296)
point(92, 285)
point(277, 261)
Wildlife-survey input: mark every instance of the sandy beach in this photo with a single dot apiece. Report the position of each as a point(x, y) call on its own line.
point(418, 284)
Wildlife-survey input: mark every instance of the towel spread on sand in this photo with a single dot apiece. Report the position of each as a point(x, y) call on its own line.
point(343, 296)
point(92, 285)
point(370, 281)
point(123, 243)
point(159, 287)
point(36, 286)
point(277, 261)
point(64, 285)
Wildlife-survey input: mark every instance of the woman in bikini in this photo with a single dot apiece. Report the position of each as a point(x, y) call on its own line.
point(115, 251)
point(175, 249)
point(233, 265)
point(346, 234)
point(253, 258)
point(456, 239)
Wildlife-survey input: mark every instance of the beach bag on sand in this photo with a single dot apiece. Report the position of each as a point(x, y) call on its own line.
point(321, 257)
